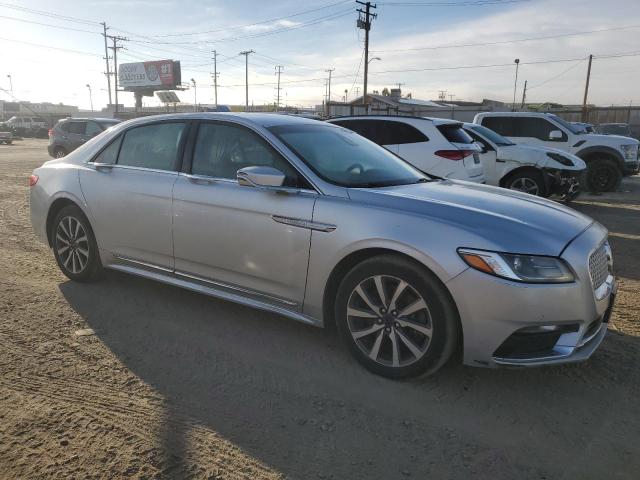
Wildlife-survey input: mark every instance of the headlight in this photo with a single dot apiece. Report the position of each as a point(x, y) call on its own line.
point(518, 267)
point(630, 151)
point(560, 159)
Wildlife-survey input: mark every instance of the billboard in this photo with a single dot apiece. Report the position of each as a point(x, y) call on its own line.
point(154, 75)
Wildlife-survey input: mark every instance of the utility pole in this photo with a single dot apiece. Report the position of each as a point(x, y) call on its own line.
point(90, 96)
point(330, 70)
point(364, 23)
point(442, 95)
point(106, 59)
point(586, 92)
point(515, 85)
point(524, 95)
point(246, 54)
point(399, 85)
point(279, 69)
point(10, 83)
point(115, 39)
point(357, 91)
point(215, 78)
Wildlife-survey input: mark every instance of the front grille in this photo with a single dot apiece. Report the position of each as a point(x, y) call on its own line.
point(598, 266)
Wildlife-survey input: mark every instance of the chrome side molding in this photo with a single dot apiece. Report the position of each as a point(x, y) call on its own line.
point(303, 223)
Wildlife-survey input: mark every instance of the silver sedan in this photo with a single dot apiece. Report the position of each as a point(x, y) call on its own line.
point(312, 221)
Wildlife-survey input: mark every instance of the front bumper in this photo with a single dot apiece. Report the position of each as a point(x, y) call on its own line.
point(497, 314)
point(631, 168)
point(564, 182)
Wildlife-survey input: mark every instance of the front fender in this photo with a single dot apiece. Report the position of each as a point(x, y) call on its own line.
point(603, 150)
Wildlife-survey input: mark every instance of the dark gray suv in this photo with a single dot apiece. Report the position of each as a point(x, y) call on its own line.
point(70, 133)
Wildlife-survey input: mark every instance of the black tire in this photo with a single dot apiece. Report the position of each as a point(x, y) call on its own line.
point(59, 152)
point(603, 175)
point(69, 247)
point(527, 181)
point(440, 317)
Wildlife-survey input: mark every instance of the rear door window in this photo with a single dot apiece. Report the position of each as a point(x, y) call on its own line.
point(93, 129)
point(385, 132)
point(152, 146)
point(502, 125)
point(77, 128)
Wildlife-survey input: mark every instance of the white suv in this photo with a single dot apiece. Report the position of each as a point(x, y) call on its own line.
point(437, 147)
point(532, 169)
point(608, 157)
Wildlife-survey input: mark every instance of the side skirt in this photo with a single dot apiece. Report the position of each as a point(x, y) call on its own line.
point(170, 279)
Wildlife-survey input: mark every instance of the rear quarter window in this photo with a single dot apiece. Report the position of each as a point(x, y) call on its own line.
point(454, 133)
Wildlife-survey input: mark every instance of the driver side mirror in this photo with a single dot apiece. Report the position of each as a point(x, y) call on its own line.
point(555, 135)
point(261, 177)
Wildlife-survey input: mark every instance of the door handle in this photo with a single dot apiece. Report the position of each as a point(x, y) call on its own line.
point(200, 180)
point(103, 167)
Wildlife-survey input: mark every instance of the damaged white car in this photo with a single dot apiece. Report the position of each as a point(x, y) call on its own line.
point(536, 170)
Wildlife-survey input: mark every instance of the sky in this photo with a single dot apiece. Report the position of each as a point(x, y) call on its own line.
point(53, 50)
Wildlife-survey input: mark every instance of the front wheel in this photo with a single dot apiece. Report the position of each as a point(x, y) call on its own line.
point(396, 317)
point(530, 182)
point(74, 245)
point(603, 175)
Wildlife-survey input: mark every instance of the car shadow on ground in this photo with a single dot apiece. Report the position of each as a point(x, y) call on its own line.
point(289, 395)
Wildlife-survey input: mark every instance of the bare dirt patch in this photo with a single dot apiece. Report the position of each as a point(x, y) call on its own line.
point(177, 385)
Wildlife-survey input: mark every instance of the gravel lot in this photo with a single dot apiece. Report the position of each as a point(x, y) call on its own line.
point(178, 385)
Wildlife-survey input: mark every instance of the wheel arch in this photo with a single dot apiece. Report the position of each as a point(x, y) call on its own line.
point(358, 256)
point(590, 154)
point(57, 205)
point(518, 170)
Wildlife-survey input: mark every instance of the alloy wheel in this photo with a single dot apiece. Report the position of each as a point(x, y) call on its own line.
point(389, 321)
point(72, 245)
point(526, 185)
point(601, 177)
point(59, 153)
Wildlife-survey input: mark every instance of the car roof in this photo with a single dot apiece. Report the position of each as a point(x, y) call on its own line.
point(514, 114)
point(260, 119)
point(91, 118)
point(435, 121)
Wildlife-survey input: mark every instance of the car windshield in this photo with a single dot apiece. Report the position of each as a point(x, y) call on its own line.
point(572, 128)
point(344, 158)
point(492, 136)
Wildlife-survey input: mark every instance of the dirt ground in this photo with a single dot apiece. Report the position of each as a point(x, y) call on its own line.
point(178, 385)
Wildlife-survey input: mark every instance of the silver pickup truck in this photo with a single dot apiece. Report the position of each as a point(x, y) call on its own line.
point(6, 137)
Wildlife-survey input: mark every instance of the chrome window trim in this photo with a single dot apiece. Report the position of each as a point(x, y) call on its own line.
point(130, 167)
point(231, 181)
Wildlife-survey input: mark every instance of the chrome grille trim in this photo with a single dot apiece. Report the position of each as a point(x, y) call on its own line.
point(599, 266)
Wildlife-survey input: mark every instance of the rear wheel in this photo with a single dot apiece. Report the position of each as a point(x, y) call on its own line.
point(396, 318)
point(59, 152)
point(528, 181)
point(74, 245)
point(603, 175)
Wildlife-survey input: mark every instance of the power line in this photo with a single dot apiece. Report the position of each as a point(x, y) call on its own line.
point(68, 50)
point(49, 14)
point(252, 24)
point(63, 27)
point(557, 76)
point(502, 42)
point(468, 3)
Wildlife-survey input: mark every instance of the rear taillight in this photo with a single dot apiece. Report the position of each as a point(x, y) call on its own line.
point(454, 154)
point(50, 132)
point(33, 179)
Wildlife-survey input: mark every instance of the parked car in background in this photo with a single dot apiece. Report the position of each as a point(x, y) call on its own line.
point(314, 222)
point(435, 146)
point(621, 129)
point(70, 133)
point(6, 137)
point(608, 157)
point(26, 126)
point(531, 169)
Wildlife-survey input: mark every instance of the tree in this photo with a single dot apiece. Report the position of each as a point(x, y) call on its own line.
point(385, 92)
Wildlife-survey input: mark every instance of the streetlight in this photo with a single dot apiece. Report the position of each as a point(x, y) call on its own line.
point(515, 85)
point(346, 92)
point(10, 83)
point(374, 58)
point(195, 96)
point(90, 96)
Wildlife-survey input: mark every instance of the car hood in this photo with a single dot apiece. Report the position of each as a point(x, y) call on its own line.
point(495, 218)
point(610, 140)
point(537, 155)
